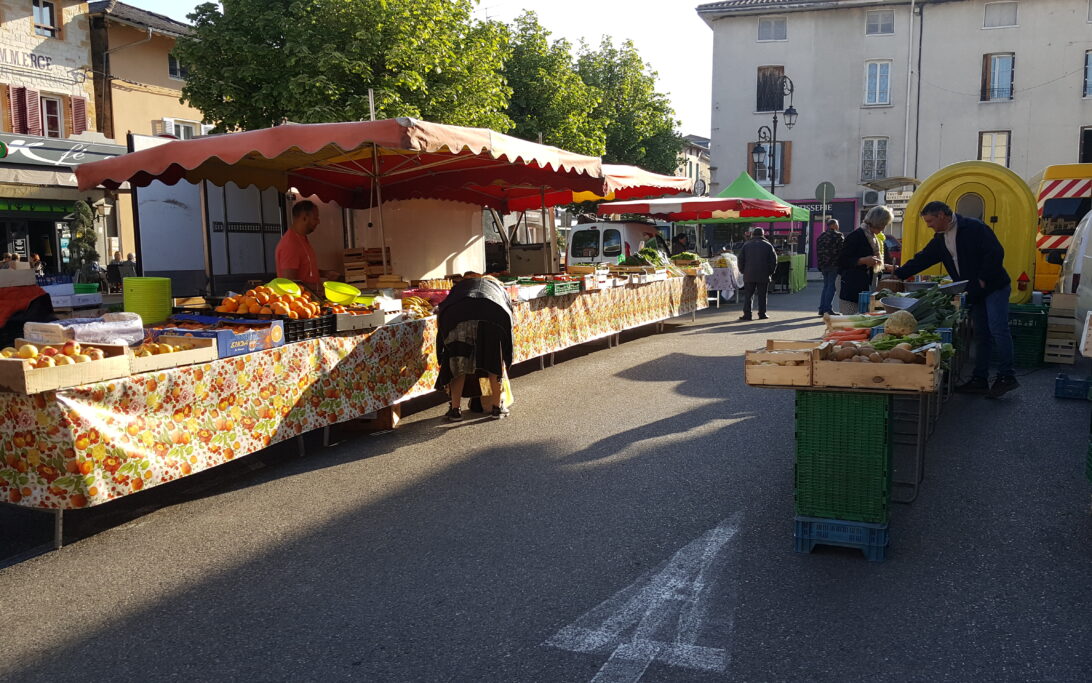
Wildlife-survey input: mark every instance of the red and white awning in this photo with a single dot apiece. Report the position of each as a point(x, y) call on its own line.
point(700, 208)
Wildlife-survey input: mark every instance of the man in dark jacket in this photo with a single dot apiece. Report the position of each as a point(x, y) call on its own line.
point(827, 248)
point(970, 251)
point(757, 262)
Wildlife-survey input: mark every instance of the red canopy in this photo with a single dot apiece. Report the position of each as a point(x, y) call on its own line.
point(335, 161)
point(698, 208)
point(622, 182)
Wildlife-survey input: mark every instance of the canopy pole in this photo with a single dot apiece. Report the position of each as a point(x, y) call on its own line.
point(379, 206)
point(545, 232)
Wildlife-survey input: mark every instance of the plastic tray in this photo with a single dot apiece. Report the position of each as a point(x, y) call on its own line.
point(1072, 387)
point(871, 539)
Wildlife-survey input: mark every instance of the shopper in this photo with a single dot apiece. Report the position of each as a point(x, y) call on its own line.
point(757, 262)
point(970, 251)
point(36, 264)
point(827, 248)
point(861, 259)
point(6, 262)
point(474, 339)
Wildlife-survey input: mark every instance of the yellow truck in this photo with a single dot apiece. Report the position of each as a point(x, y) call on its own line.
point(1063, 197)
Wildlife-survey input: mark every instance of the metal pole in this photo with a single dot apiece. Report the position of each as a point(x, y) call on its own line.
point(379, 207)
point(545, 231)
point(773, 157)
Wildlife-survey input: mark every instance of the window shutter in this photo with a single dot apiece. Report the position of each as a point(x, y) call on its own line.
point(206, 129)
point(34, 112)
point(750, 160)
point(1012, 77)
point(786, 162)
point(79, 115)
point(168, 127)
point(985, 78)
point(18, 106)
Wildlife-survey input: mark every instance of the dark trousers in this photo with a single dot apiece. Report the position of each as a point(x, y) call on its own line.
point(757, 290)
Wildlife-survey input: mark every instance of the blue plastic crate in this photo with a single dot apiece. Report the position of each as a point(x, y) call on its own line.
point(47, 280)
point(864, 302)
point(871, 539)
point(1072, 387)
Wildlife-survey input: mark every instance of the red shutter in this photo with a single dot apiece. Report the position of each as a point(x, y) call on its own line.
point(79, 115)
point(34, 112)
point(18, 105)
point(786, 162)
point(750, 160)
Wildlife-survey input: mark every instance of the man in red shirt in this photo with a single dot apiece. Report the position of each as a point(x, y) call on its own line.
point(295, 256)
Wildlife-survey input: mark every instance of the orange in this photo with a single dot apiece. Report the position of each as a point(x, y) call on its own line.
point(265, 310)
point(280, 308)
point(292, 315)
point(243, 308)
point(250, 293)
point(262, 298)
point(229, 304)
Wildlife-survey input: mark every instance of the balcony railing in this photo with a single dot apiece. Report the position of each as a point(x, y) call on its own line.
point(991, 94)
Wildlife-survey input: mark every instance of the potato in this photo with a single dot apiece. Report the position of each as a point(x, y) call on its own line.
point(894, 360)
point(904, 346)
point(875, 357)
point(902, 355)
point(866, 350)
point(845, 353)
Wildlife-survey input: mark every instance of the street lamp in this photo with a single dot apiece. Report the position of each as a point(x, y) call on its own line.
point(765, 134)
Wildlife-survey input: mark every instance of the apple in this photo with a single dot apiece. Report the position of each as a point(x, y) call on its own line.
point(63, 360)
point(82, 358)
point(94, 352)
point(27, 351)
point(49, 351)
point(9, 352)
point(142, 352)
point(71, 348)
point(45, 362)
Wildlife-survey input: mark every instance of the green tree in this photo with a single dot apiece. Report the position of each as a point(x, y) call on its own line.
point(548, 96)
point(82, 242)
point(639, 122)
point(256, 63)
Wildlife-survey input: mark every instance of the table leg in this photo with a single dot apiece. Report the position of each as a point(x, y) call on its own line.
point(58, 529)
point(300, 446)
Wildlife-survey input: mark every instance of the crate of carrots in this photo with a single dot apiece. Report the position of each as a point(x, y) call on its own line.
point(852, 327)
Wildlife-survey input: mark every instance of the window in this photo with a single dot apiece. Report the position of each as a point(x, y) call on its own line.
point(877, 82)
point(997, 76)
point(772, 28)
point(585, 244)
point(770, 91)
point(185, 131)
point(999, 15)
point(879, 22)
point(1088, 73)
point(176, 70)
point(45, 19)
point(874, 158)
point(994, 146)
point(612, 242)
point(52, 118)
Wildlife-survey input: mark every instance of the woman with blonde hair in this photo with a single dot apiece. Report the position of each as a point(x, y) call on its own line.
point(861, 259)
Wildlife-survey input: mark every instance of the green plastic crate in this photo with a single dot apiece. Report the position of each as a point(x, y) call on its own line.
point(843, 456)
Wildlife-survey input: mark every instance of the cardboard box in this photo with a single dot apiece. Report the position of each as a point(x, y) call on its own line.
point(16, 376)
point(788, 364)
point(348, 322)
point(64, 289)
point(882, 376)
point(203, 351)
point(1063, 305)
point(17, 278)
point(259, 335)
point(76, 300)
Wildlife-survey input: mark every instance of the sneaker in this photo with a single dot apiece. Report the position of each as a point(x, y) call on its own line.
point(763, 316)
point(1002, 384)
point(976, 385)
point(453, 415)
point(499, 413)
point(745, 317)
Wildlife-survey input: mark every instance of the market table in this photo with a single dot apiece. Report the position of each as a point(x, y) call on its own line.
point(798, 270)
point(88, 445)
point(726, 280)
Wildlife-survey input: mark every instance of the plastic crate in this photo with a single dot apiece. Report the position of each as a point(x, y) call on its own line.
point(864, 302)
point(561, 287)
point(1027, 318)
point(843, 455)
point(309, 328)
point(46, 280)
point(871, 539)
point(85, 287)
point(1072, 387)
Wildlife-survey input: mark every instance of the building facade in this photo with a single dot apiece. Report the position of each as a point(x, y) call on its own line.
point(48, 127)
point(890, 88)
point(694, 162)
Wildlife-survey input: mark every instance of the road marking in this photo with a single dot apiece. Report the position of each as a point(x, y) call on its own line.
point(660, 616)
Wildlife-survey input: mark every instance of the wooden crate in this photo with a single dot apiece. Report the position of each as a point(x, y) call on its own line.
point(349, 322)
point(1058, 350)
point(580, 270)
point(204, 350)
point(1063, 305)
point(1061, 326)
point(16, 376)
point(365, 270)
point(365, 254)
point(797, 375)
point(877, 376)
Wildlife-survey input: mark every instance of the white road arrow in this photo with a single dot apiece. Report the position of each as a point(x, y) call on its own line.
point(661, 615)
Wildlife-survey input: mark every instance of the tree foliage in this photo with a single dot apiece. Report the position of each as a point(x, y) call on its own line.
point(82, 242)
point(257, 63)
point(548, 96)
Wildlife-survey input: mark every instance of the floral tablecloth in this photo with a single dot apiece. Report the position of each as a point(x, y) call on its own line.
point(95, 443)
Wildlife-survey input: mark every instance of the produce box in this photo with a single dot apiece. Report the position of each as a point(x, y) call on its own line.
point(1063, 305)
point(827, 372)
point(559, 287)
point(580, 270)
point(76, 300)
point(347, 322)
point(203, 351)
point(16, 376)
point(233, 337)
point(1060, 351)
point(779, 364)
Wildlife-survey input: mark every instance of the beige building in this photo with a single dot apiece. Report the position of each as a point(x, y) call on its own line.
point(694, 162)
point(138, 83)
point(48, 121)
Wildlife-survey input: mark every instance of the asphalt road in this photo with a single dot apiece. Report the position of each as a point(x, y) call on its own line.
point(631, 520)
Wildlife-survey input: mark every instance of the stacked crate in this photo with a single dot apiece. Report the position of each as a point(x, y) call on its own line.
point(1061, 336)
point(1028, 325)
point(843, 471)
point(364, 266)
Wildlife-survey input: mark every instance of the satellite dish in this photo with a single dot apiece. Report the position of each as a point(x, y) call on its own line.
point(699, 187)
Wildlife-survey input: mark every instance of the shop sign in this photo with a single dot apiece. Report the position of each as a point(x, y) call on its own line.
point(13, 205)
point(901, 196)
point(25, 59)
point(54, 152)
point(813, 207)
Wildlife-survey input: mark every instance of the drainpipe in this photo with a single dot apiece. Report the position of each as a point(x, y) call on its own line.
point(917, 112)
point(909, 83)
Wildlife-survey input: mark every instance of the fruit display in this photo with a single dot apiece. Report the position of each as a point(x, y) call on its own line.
point(414, 307)
point(436, 284)
point(48, 356)
point(348, 310)
point(149, 349)
point(264, 300)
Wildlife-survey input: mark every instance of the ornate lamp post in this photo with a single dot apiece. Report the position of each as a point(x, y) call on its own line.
point(766, 134)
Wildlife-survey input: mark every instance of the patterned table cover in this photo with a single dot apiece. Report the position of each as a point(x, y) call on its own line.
point(91, 444)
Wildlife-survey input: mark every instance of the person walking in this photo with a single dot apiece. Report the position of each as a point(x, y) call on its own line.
point(757, 262)
point(970, 251)
point(861, 259)
point(827, 248)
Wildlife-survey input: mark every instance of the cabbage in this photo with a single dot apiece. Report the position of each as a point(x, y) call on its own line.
point(900, 324)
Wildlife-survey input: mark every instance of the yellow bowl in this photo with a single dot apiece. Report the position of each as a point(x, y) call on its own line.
point(364, 300)
point(284, 287)
point(340, 293)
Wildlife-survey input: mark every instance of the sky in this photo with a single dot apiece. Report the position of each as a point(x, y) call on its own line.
point(668, 34)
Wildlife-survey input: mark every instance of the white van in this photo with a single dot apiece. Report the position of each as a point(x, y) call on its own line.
point(605, 241)
point(1078, 258)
